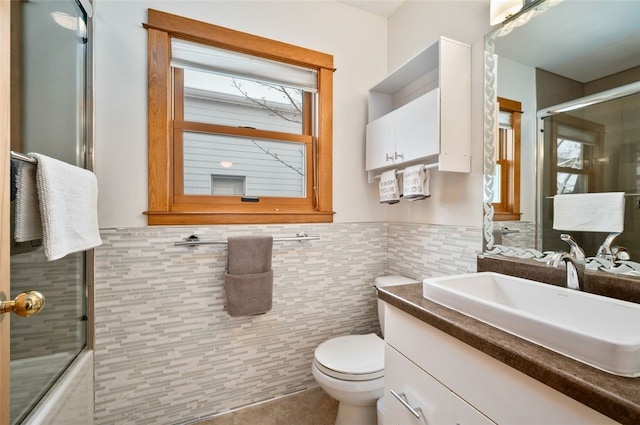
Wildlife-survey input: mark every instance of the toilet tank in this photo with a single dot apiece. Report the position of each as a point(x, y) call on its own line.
point(384, 281)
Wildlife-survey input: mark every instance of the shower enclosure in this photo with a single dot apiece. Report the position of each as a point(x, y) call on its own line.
point(593, 148)
point(50, 114)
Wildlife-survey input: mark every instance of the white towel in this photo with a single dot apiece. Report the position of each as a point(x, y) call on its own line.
point(28, 224)
point(415, 183)
point(388, 186)
point(68, 198)
point(589, 212)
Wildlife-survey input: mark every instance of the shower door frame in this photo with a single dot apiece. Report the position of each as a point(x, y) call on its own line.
point(5, 147)
point(5, 115)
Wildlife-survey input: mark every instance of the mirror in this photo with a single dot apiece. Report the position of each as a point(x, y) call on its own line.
point(548, 54)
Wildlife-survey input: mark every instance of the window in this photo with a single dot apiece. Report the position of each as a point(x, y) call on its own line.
point(577, 154)
point(240, 127)
point(507, 182)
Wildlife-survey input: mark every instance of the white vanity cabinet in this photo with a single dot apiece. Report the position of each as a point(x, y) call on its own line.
point(454, 383)
point(422, 111)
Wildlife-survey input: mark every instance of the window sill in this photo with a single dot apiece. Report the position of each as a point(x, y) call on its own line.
point(164, 218)
point(504, 216)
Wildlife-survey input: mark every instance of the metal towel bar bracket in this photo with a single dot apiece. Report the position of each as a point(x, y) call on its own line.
point(194, 240)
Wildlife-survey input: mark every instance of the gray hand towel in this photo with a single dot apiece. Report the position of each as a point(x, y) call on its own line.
point(249, 254)
point(249, 278)
point(249, 294)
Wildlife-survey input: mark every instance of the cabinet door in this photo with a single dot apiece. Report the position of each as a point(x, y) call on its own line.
point(387, 419)
point(380, 144)
point(462, 413)
point(418, 389)
point(418, 127)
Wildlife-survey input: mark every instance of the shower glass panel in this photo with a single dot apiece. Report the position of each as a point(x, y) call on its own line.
point(50, 79)
point(593, 149)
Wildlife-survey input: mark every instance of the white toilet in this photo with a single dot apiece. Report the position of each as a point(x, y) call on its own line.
point(351, 368)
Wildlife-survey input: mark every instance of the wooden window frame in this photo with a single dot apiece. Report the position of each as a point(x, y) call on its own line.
point(508, 209)
point(592, 168)
point(169, 207)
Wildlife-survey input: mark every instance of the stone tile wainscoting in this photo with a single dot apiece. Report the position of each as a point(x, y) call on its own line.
point(166, 350)
point(523, 236)
point(59, 281)
point(426, 250)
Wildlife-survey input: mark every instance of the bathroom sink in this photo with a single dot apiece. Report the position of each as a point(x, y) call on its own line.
point(599, 331)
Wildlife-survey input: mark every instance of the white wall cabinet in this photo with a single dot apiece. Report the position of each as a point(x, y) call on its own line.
point(422, 111)
point(454, 383)
point(406, 134)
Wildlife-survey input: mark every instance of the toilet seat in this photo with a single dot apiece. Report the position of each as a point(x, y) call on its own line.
point(351, 357)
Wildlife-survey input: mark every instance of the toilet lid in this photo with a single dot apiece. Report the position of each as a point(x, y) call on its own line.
point(352, 357)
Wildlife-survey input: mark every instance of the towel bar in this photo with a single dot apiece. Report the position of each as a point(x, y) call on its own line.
point(194, 240)
point(23, 157)
point(626, 195)
point(426, 167)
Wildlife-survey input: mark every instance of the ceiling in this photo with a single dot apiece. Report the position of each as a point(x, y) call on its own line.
point(571, 39)
point(384, 8)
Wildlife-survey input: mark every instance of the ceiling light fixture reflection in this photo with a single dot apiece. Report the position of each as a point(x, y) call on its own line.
point(500, 10)
point(226, 164)
point(65, 20)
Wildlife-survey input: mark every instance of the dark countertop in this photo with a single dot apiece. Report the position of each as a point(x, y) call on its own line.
point(614, 396)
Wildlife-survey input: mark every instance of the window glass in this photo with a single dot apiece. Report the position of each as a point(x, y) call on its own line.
point(241, 102)
point(572, 183)
point(570, 154)
point(268, 167)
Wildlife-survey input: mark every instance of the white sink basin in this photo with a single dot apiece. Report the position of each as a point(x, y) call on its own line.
point(599, 331)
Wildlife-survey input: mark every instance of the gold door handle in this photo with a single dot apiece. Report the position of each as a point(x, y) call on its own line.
point(26, 304)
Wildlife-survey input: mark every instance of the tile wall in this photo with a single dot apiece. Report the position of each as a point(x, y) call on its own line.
point(166, 350)
point(58, 328)
point(426, 250)
point(523, 236)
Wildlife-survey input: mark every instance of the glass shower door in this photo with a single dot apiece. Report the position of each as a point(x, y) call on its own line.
point(49, 83)
point(593, 149)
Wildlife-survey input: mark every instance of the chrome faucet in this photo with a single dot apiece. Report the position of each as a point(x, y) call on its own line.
point(574, 267)
point(574, 249)
point(574, 263)
point(613, 254)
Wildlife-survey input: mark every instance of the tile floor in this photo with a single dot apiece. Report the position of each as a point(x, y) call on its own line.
point(311, 407)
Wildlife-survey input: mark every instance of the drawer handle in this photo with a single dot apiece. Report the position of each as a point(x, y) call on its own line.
point(402, 398)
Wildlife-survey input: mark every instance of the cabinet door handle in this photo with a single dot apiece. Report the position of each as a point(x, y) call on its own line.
point(402, 398)
point(397, 155)
point(388, 158)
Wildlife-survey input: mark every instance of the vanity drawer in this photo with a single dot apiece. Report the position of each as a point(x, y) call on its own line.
point(415, 389)
point(388, 419)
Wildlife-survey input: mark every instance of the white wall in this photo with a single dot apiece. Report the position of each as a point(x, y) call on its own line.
point(455, 198)
point(362, 44)
point(356, 39)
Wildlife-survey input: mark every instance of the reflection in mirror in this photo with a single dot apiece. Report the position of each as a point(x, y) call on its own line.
point(579, 49)
point(589, 150)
